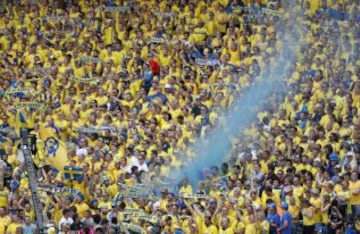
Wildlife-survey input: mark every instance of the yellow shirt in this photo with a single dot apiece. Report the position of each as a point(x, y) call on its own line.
point(308, 221)
point(2, 228)
point(251, 228)
point(210, 229)
point(30, 213)
point(4, 221)
point(264, 227)
point(186, 189)
point(104, 205)
point(294, 211)
point(81, 208)
point(316, 203)
point(354, 199)
point(108, 35)
point(227, 231)
point(12, 227)
point(4, 198)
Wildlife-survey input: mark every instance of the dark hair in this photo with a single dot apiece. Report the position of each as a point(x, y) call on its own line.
point(97, 219)
point(65, 211)
point(114, 220)
point(104, 221)
point(99, 229)
point(122, 205)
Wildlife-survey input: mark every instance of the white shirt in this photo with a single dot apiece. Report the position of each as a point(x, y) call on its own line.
point(143, 167)
point(133, 162)
point(81, 151)
point(67, 221)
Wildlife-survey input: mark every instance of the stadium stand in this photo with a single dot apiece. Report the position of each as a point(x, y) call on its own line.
point(115, 94)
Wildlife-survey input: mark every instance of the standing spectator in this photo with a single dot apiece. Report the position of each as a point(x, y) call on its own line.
point(65, 219)
point(286, 220)
point(308, 213)
point(273, 218)
point(336, 220)
point(28, 227)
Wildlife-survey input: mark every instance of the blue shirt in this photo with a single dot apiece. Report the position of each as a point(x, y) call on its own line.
point(28, 229)
point(286, 217)
point(350, 230)
point(273, 218)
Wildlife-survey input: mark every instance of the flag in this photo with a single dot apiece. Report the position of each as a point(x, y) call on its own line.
point(73, 173)
point(54, 150)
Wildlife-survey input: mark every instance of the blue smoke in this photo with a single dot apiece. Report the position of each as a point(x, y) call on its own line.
point(213, 149)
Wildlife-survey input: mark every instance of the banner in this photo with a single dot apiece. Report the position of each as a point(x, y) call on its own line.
point(136, 191)
point(33, 105)
point(271, 12)
point(95, 129)
point(117, 8)
point(157, 40)
point(207, 62)
point(140, 214)
point(64, 32)
point(166, 14)
point(86, 80)
point(55, 151)
point(132, 227)
point(58, 190)
point(248, 17)
point(195, 196)
point(55, 18)
point(19, 90)
point(37, 70)
point(89, 60)
point(64, 191)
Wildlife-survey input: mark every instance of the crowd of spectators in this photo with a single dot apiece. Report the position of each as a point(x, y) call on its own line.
point(130, 87)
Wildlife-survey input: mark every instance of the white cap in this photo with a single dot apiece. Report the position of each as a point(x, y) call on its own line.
point(168, 86)
point(317, 160)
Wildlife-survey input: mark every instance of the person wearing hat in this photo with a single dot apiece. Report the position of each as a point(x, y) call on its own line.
point(273, 218)
point(334, 160)
point(80, 205)
point(163, 200)
point(350, 160)
point(285, 220)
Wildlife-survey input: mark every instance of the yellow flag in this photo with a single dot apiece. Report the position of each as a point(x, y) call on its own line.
point(54, 150)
